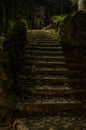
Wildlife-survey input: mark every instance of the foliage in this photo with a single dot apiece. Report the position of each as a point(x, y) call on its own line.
point(12, 47)
point(12, 11)
point(11, 25)
point(15, 10)
point(15, 39)
point(2, 39)
point(55, 18)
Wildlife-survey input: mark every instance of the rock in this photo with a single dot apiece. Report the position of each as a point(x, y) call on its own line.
point(19, 125)
point(4, 128)
point(6, 84)
point(77, 128)
point(72, 29)
point(51, 129)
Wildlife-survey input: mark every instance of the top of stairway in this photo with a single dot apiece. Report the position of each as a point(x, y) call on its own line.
point(42, 34)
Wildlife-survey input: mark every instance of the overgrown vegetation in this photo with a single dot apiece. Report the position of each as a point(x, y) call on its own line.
point(9, 58)
point(9, 68)
point(12, 11)
point(58, 18)
point(13, 45)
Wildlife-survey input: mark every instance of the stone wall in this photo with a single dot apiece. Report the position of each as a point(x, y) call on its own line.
point(72, 30)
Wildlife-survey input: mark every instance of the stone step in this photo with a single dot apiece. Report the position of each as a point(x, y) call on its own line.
point(77, 83)
point(57, 77)
point(54, 58)
point(50, 71)
point(25, 83)
point(45, 42)
point(59, 65)
point(50, 80)
point(52, 100)
point(52, 66)
point(54, 88)
point(41, 92)
point(46, 90)
point(44, 37)
point(50, 107)
point(71, 64)
point(45, 45)
point(42, 77)
point(71, 75)
point(46, 69)
point(42, 81)
point(43, 48)
point(63, 89)
point(47, 39)
point(36, 52)
point(45, 34)
point(60, 92)
point(62, 121)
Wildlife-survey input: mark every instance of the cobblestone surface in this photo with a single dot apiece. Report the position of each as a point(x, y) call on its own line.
point(50, 123)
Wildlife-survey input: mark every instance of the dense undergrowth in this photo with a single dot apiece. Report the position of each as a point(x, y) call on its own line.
point(13, 45)
point(9, 68)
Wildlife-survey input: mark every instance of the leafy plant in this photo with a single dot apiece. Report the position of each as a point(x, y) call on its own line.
point(56, 18)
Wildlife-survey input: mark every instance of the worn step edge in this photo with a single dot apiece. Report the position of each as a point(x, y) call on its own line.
point(50, 108)
point(44, 45)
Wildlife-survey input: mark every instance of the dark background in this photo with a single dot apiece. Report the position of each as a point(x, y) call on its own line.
point(15, 10)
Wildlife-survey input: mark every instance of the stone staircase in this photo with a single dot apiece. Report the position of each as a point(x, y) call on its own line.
point(49, 81)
